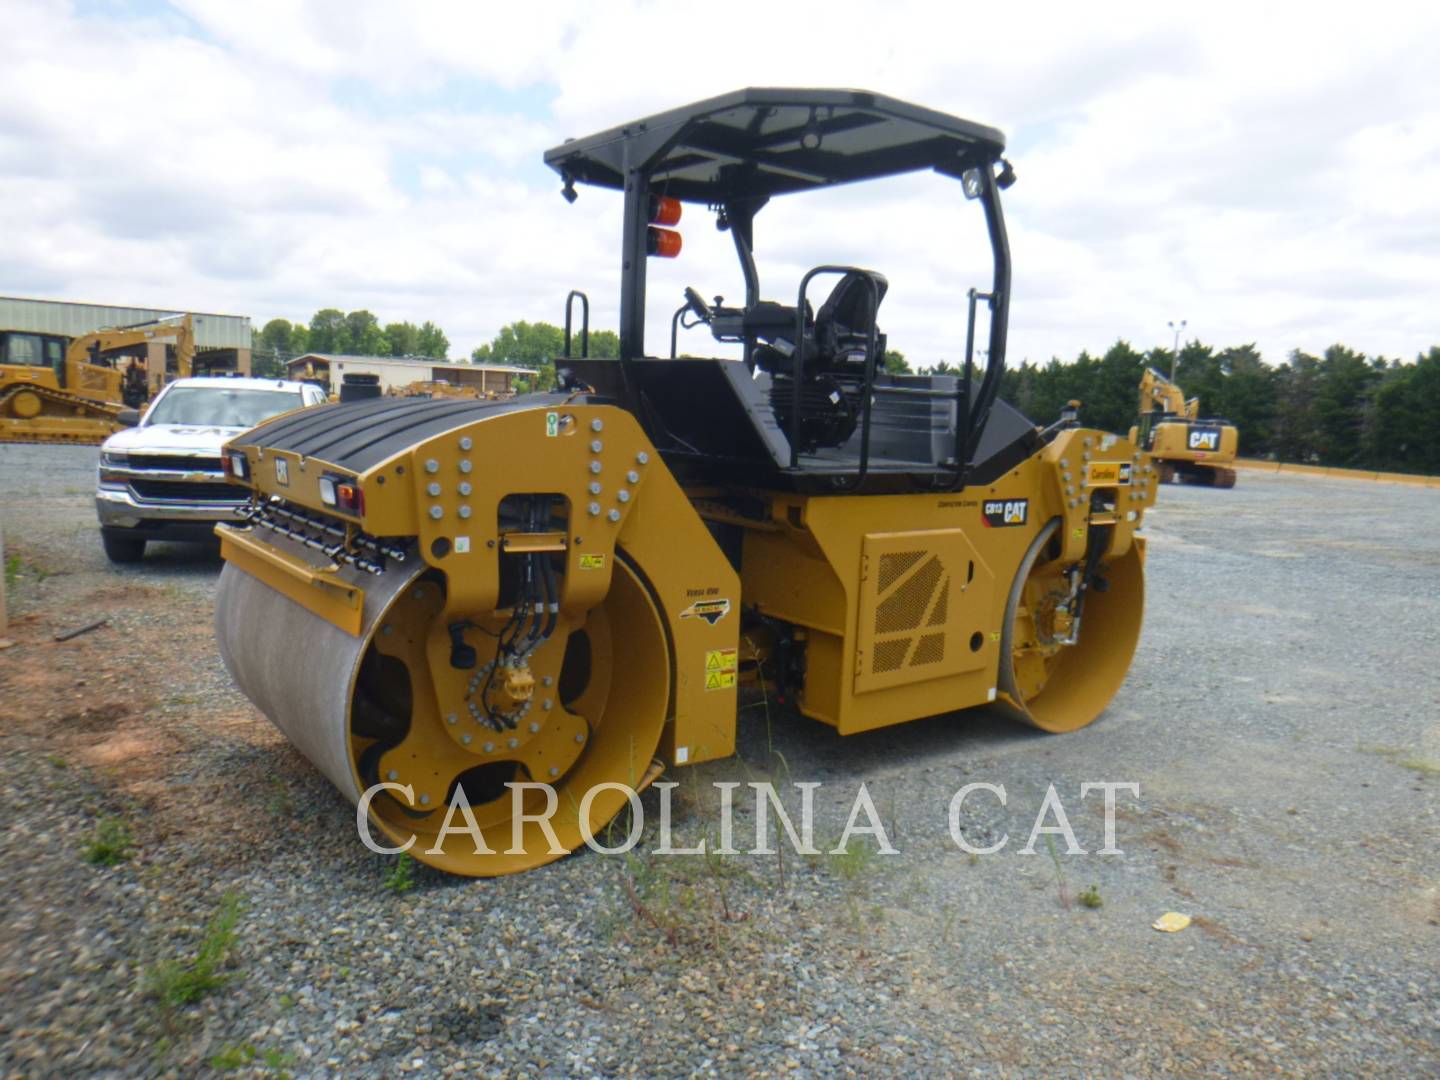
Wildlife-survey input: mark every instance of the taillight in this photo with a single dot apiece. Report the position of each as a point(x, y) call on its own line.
point(350, 499)
point(343, 493)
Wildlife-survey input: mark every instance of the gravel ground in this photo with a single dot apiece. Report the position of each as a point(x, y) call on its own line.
point(1282, 721)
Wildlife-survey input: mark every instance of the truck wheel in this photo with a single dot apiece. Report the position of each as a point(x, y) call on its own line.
point(120, 548)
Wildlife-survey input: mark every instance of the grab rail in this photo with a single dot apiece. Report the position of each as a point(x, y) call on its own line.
point(584, 322)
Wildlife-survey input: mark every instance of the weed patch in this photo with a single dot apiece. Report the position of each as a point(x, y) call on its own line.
point(111, 845)
point(175, 983)
point(400, 878)
point(245, 1056)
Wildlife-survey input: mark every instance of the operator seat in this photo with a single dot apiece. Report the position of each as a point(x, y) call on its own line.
point(842, 327)
point(836, 338)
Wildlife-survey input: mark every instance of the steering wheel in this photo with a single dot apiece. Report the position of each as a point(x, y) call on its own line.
point(697, 304)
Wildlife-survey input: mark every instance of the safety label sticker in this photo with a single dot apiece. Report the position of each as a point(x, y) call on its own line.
point(592, 562)
point(712, 611)
point(720, 665)
point(282, 471)
point(552, 424)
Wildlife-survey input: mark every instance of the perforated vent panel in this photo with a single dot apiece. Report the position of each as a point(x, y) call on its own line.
point(940, 612)
point(895, 564)
point(907, 607)
point(930, 649)
point(923, 595)
point(890, 655)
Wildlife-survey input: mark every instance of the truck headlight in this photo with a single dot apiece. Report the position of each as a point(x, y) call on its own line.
point(114, 458)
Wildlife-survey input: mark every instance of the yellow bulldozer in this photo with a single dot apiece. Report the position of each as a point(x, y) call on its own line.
point(532, 606)
point(1184, 446)
point(53, 390)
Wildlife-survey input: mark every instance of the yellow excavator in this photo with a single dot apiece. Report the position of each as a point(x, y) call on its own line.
point(1184, 445)
point(532, 606)
point(58, 391)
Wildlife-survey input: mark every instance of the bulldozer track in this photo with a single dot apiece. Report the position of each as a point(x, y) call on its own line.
point(12, 428)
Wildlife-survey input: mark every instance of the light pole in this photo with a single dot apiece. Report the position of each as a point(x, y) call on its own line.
point(1179, 328)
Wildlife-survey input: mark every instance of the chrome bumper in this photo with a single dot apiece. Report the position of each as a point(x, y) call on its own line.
point(118, 508)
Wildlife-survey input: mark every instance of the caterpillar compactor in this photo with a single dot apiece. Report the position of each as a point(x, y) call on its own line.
point(448, 596)
point(1184, 445)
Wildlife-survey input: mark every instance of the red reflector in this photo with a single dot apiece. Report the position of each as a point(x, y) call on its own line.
point(664, 210)
point(349, 498)
point(662, 242)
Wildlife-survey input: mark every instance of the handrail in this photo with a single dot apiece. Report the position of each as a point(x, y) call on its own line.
point(964, 420)
point(998, 300)
point(675, 328)
point(584, 323)
point(798, 364)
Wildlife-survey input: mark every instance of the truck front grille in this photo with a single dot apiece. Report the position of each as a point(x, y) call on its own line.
point(181, 491)
point(176, 463)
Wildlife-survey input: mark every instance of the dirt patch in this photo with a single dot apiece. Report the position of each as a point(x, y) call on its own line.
point(100, 718)
point(141, 711)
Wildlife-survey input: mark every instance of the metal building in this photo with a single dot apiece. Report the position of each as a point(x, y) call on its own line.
point(213, 333)
point(396, 372)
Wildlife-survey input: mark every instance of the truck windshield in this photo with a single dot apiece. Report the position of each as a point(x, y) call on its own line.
point(207, 406)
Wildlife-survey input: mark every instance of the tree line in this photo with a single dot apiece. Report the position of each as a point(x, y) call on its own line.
point(1341, 408)
point(333, 331)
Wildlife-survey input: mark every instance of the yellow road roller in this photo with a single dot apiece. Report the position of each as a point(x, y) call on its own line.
point(536, 603)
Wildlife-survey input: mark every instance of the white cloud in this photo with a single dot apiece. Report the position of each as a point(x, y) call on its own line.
point(1268, 174)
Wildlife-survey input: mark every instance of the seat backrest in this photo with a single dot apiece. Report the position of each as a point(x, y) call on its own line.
point(845, 319)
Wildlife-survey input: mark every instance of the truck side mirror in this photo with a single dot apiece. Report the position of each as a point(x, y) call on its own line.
point(128, 417)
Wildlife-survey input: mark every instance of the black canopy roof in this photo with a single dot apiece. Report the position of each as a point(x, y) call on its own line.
point(760, 142)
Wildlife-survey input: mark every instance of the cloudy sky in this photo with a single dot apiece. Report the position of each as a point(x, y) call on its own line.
point(1268, 175)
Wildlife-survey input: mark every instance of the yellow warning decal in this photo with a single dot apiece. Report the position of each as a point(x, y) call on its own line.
point(720, 660)
point(592, 562)
point(720, 665)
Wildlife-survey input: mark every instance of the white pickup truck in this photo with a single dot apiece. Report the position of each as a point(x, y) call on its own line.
point(162, 479)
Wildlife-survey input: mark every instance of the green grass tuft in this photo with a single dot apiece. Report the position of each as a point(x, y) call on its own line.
point(111, 845)
point(183, 982)
point(400, 878)
point(852, 862)
point(245, 1056)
